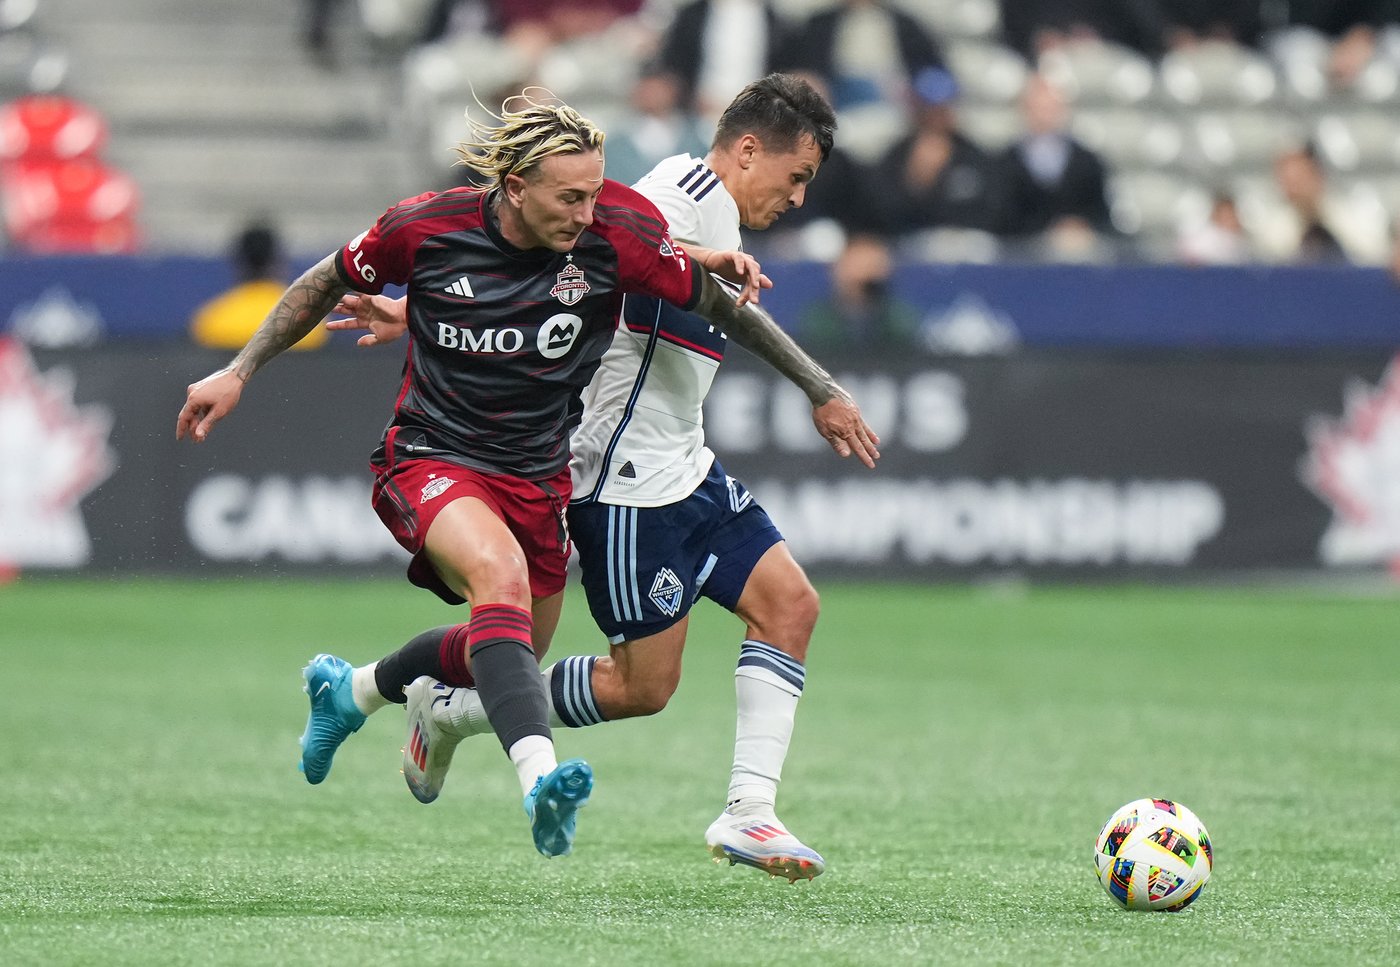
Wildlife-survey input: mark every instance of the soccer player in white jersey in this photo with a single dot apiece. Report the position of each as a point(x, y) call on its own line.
point(658, 523)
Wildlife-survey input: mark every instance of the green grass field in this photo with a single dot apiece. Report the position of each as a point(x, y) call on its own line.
point(956, 752)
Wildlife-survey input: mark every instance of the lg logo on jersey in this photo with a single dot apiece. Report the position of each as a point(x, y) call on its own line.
point(555, 338)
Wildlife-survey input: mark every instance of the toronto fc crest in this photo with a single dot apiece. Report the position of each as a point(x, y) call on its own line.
point(435, 487)
point(569, 285)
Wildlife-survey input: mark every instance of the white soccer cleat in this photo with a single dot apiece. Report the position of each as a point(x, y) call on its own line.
point(427, 753)
point(760, 841)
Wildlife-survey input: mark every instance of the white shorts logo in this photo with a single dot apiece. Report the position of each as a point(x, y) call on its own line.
point(666, 592)
point(435, 487)
point(558, 333)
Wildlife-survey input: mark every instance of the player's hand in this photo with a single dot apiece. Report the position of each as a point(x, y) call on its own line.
point(740, 268)
point(206, 403)
point(385, 319)
point(838, 420)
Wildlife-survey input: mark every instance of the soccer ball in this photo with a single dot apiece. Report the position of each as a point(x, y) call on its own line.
point(1153, 854)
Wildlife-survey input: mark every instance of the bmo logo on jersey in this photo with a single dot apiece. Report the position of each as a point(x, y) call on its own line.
point(558, 333)
point(556, 337)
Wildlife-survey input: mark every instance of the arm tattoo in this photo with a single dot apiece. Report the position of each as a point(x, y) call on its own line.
point(305, 303)
point(760, 334)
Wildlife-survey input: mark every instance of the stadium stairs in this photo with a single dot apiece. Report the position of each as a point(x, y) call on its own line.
point(221, 116)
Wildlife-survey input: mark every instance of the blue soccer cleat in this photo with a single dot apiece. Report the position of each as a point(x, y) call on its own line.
point(554, 803)
point(333, 714)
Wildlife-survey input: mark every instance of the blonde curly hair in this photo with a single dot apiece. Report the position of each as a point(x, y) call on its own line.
point(527, 131)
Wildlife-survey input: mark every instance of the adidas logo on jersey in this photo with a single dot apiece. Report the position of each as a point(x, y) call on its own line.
point(461, 287)
point(627, 470)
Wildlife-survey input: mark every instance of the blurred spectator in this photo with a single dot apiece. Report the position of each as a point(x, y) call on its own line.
point(316, 34)
point(864, 51)
point(1035, 26)
point(656, 128)
point(1317, 223)
point(935, 176)
point(862, 312)
point(1052, 188)
point(717, 46)
point(532, 27)
point(1219, 239)
point(1343, 33)
point(228, 320)
point(1189, 22)
point(445, 18)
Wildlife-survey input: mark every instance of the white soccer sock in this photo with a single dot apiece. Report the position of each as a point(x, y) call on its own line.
point(767, 684)
point(365, 690)
point(533, 757)
point(463, 714)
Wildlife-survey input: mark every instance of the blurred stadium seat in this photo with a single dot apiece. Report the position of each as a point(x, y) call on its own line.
point(49, 127)
point(1218, 74)
point(1129, 137)
point(1222, 141)
point(988, 73)
point(1153, 203)
point(69, 205)
point(973, 19)
point(1100, 73)
point(1365, 140)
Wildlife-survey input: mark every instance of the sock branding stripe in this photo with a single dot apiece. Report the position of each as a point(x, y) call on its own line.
point(571, 687)
point(501, 620)
point(757, 655)
point(759, 665)
point(581, 669)
point(452, 655)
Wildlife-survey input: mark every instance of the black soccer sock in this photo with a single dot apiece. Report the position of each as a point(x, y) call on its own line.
point(507, 675)
point(424, 655)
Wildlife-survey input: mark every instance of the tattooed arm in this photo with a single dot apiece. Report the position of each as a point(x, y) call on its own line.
point(302, 306)
point(834, 411)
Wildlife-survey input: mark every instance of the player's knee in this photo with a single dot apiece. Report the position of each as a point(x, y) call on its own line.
point(503, 581)
point(648, 697)
point(805, 608)
point(789, 617)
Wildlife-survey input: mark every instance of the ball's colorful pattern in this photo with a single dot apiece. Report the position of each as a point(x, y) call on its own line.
point(1153, 854)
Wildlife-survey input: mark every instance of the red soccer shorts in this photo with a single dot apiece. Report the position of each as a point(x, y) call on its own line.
point(409, 496)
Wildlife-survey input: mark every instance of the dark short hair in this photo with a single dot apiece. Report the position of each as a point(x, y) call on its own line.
point(779, 110)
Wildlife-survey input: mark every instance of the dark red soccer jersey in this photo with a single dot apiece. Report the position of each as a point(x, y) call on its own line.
point(502, 340)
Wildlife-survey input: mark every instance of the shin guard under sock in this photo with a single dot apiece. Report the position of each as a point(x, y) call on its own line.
point(507, 675)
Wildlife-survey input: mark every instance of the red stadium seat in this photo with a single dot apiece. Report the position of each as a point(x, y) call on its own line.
point(76, 205)
point(115, 236)
point(49, 127)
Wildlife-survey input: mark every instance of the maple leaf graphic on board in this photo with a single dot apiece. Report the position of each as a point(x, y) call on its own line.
point(1353, 464)
point(53, 453)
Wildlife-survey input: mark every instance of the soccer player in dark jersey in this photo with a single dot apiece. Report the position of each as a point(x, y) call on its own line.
point(514, 292)
point(657, 521)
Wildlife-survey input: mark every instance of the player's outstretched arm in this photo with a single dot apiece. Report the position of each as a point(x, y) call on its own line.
point(302, 306)
point(834, 411)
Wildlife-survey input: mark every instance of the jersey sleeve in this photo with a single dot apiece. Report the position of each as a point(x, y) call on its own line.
point(648, 261)
point(381, 256)
point(704, 222)
point(681, 212)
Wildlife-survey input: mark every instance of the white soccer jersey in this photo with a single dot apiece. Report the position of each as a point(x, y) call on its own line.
point(641, 442)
